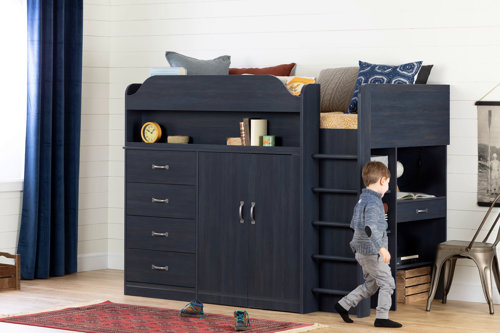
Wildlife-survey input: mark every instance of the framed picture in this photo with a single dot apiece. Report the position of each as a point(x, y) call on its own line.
point(488, 180)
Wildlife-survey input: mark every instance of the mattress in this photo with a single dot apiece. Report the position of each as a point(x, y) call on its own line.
point(338, 120)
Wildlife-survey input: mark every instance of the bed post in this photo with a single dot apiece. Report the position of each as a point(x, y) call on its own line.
point(364, 153)
point(309, 137)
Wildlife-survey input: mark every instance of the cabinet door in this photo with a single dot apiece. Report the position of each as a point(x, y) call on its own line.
point(274, 239)
point(222, 239)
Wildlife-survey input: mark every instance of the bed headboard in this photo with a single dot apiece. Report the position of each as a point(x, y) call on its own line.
point(213, 92)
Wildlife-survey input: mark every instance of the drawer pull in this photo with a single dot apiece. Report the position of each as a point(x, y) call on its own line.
point(159, 234)
point(421, 211)
point(159, 200)
point(159, 268)
point(165, 167)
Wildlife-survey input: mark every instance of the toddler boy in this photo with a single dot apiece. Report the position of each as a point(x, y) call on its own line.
point(369, 244)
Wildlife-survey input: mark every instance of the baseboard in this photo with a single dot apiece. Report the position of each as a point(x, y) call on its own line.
point(466, 284)
point(12, 186)
point(471, 292)
point(92, 261)
point(115, 261)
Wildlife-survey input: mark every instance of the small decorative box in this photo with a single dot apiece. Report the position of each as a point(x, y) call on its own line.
point(268, 140)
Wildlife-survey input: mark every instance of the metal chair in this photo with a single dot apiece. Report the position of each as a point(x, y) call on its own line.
point(482, 253)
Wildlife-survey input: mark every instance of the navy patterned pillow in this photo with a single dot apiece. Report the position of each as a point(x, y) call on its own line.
point(376, 74)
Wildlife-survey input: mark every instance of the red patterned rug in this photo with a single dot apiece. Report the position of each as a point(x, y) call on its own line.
point(110, 317)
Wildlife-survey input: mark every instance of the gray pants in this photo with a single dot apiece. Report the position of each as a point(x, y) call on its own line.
point(377, 275)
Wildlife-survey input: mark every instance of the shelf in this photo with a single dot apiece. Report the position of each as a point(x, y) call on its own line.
point(420, 199)
point(415, 264)
point(213, 127)
point(330, 224)
point(213, 148)
point(335, 157)
point(334, 190)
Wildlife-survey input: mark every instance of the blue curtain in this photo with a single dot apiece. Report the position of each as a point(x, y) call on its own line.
point(48, 235)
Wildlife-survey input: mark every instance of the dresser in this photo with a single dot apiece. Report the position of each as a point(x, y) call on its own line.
point(160, 223)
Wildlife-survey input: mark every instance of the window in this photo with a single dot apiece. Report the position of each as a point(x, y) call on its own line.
point(13, 87)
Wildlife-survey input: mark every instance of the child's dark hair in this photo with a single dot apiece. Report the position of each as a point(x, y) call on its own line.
point(373, 171)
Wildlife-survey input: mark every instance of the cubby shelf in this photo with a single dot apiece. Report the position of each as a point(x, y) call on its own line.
point(417, 225)
point(415, 264)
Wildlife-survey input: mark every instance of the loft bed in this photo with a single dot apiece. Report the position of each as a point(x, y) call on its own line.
point(407, 123)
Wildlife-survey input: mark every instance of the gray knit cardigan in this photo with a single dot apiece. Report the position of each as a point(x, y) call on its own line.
point(368, 222)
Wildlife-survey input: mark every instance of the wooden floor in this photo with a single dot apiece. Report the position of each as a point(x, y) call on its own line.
point(95, 286)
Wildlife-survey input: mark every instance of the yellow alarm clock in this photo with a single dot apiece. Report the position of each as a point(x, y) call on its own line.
point(151, 132)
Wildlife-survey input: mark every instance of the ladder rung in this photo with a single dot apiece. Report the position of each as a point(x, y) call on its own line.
point(335, 225)
point(333, 258)
point(330, 291)
point(331, 224)
point(334, 157)
point(333, 190)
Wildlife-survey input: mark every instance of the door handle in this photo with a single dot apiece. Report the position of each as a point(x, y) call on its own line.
point(252, 213)
point(242, 203)
point(421, 211)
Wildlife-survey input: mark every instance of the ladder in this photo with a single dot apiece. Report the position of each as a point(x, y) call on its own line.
point(338, 191)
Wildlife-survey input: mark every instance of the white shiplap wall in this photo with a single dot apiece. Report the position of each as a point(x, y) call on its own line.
point(93, 205)
point(94, 150)
point(124, 38)
point(11, 198)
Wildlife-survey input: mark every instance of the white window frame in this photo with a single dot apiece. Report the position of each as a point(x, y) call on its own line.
point(13, 66)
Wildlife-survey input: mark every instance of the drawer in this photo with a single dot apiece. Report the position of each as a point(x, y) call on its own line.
point(171, 268)
point(164, 167)
point(421, 209)
point(160, 234)
point(177, 200)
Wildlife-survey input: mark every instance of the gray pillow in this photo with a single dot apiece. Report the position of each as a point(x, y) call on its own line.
point(193, 66)
point(337, 87)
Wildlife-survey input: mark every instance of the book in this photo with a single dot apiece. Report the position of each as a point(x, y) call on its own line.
point(413, 195)
point(167, 71)
point(243, 141)
point(246, 125)
point(233, 141)
point(258, 128)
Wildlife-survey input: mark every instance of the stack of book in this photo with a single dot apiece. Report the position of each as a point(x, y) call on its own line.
point(251, 132)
